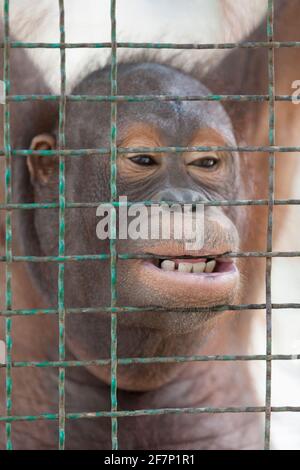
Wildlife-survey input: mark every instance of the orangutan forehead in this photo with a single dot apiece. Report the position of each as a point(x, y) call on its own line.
point(147, 135)
point(141, 135)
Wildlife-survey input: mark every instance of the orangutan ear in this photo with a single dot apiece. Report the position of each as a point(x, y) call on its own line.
point(42, 167)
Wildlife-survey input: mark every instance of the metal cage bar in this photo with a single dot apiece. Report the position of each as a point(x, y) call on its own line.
point(61, 242)
point(8, 230)
point(271, 73)
point(90, 310)
point(150, 412)
point(144, 98)
point(61, 311)
point(156, 360)
point(154, 45)
point(113, 246)
point(121, 150)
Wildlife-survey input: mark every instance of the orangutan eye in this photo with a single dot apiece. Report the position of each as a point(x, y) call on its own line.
point(205, 162)
point(143, 160)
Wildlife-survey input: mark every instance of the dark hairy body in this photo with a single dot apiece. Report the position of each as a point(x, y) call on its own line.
point(146, 334)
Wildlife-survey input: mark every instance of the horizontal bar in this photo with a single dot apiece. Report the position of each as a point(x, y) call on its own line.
point(127, 256)
point(156, 360)
point(146, 98)
point(152, 45)
point(122, 150)
point(123, 310)
point(84, 205)
point(153, 412)
point(55, 259)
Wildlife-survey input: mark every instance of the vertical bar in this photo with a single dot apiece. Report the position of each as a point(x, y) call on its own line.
point(61, 248)
point(271, 74)
point(8, 227)
point(113, 252)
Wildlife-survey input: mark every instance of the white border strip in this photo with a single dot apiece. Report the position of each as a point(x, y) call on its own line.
point(2, 353)
point(2, 92)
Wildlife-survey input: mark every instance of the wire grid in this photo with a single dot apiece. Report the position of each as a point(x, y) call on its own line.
point(8, 313)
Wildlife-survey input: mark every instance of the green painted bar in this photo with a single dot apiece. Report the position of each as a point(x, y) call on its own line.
point(8, 229)
point(154, 360)
point(271, 73)
point(145, 98)
point(122, 150)
point(123, 310)
point(113, 247)
point(152, 412)
point(127, 256)
point(61, 242)
point(78, 205)
point(153, 45)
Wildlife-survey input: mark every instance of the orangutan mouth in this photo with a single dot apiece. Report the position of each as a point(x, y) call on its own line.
point(196, 265)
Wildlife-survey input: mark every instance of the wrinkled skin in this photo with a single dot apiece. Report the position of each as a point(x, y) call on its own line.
point(87, 284)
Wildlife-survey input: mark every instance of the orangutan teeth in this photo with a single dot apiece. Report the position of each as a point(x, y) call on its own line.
point(185, 267)
point(210, 266)
point(206, 267)
point(199, 268)
point(167, 265)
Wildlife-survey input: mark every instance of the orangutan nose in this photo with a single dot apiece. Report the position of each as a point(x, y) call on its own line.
point(178, 195)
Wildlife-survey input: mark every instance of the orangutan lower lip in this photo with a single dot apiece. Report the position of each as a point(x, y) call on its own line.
point(191, 284)
point(208, 287)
